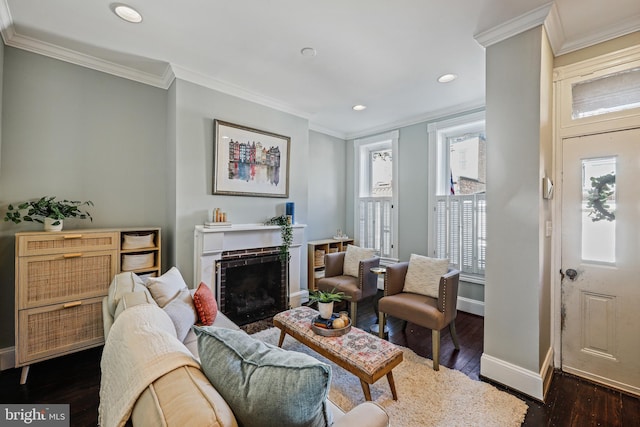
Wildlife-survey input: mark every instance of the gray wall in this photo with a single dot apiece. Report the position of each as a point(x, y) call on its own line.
point(413, 180)
point(327, 189)
point(518, 156)
point(413, 205)
point(81, 134)
point(196, 108)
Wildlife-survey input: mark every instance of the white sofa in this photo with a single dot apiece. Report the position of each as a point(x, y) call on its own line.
point(184, 396)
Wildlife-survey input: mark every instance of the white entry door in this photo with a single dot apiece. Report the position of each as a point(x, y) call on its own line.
point(601, 258)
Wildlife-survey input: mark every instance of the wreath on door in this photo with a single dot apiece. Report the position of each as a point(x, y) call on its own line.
point(602, 188)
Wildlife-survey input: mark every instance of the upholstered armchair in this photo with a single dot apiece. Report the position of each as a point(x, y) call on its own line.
point(423, 310)
point(340, 274)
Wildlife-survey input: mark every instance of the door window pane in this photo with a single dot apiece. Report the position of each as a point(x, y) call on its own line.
point(614, 92)
point(598, 209)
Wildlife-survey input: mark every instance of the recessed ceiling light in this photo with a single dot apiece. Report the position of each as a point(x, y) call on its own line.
point(446, 78)
point(359, 107)
point(308, 51)
point(127, 13)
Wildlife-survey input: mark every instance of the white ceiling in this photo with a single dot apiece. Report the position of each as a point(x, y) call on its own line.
point(384, 54)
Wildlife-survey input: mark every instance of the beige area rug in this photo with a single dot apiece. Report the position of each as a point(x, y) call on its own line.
point(425, 397)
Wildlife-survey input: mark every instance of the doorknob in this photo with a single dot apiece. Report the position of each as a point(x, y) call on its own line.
point(571, 273)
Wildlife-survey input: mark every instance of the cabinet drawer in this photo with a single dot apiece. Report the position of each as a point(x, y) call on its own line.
point(50, 279)
point(56, 330)
point(63, 242)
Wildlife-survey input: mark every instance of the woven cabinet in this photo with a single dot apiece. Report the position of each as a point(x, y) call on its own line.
point(61, 278)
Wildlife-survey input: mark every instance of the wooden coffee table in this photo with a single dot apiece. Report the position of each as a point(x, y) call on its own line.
point(361, 353)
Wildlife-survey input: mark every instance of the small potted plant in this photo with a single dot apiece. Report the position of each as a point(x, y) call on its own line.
point(325, 300)
point(48, 211)
point(286, 232)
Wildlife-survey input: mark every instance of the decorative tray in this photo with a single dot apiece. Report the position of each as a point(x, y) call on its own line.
point(329, 332)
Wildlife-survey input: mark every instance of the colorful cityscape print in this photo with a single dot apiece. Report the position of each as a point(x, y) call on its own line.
point(253, 162)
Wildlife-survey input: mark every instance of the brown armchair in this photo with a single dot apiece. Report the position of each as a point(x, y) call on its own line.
point(425, 311)
point(357, 288)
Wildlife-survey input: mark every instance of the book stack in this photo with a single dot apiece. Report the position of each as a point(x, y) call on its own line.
point(216, 224)
point(325, 323)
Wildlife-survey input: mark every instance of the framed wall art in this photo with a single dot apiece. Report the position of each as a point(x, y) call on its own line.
point(250, 162)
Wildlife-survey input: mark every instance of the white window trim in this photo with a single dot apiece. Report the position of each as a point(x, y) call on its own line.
point(358, 166)
point(438, 132)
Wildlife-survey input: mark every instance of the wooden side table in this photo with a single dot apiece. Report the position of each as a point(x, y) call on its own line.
point(375, 328)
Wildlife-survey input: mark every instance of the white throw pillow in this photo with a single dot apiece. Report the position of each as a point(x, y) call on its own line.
point(166, 287)
point(182, 312)
point(352, 259)
point(423, 275)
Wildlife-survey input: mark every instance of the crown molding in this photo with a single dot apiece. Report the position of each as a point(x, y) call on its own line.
point(13, 39)
point(555, 30)
point(622, 28)
point(88, 61)
point(514, 26)
point(321, 129)
point(465, 108)
point(6, 22)
point(237, 91)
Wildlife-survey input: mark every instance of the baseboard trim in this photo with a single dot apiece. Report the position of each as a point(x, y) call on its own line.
point(534, 384)
point(7, 358)
point(296, 299)
point(472, 306)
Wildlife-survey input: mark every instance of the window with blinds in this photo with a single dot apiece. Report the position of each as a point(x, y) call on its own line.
point(461, 231)
point(375, 224)
point(374, 202)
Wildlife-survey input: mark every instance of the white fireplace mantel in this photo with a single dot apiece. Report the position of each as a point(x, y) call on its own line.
point(209, 243)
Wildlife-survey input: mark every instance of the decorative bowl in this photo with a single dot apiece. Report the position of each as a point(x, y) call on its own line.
point(331, 332)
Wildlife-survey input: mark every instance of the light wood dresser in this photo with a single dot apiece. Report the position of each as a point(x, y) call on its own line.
point(61, 279)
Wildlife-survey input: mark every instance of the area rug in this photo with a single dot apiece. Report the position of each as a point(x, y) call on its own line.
point(425, 397)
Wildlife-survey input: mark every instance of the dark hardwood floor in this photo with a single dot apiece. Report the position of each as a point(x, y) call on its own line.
point(571, 401)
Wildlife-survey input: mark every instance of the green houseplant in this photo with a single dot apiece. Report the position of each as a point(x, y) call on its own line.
point(48, 211)
point(286, 233)
point(325, 300)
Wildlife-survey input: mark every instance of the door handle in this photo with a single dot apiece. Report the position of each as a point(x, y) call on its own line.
point(571, 273)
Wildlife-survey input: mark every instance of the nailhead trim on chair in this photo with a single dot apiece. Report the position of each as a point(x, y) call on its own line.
point(444, 296)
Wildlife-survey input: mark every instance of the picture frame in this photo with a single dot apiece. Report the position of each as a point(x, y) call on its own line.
point(250, 162)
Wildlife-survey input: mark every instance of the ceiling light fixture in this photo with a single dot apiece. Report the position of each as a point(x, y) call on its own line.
point(446, 78)
point(126, 13)
point(308, 51)
point(359, 107)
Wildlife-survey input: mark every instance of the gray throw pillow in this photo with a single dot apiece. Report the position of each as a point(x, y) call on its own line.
point(264, 385)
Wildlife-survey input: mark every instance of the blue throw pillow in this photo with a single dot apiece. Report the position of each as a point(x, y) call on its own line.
point(264, 385)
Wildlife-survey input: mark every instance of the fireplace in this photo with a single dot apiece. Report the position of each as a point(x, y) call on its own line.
point(238, 241)
point(253, 284)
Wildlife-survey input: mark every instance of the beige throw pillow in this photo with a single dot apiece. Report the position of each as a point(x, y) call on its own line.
point(352, 259)
point(423, 275)
point(130, 299)
point(121, 284)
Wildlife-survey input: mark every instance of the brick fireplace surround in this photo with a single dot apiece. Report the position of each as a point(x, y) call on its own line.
point(210, 244)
